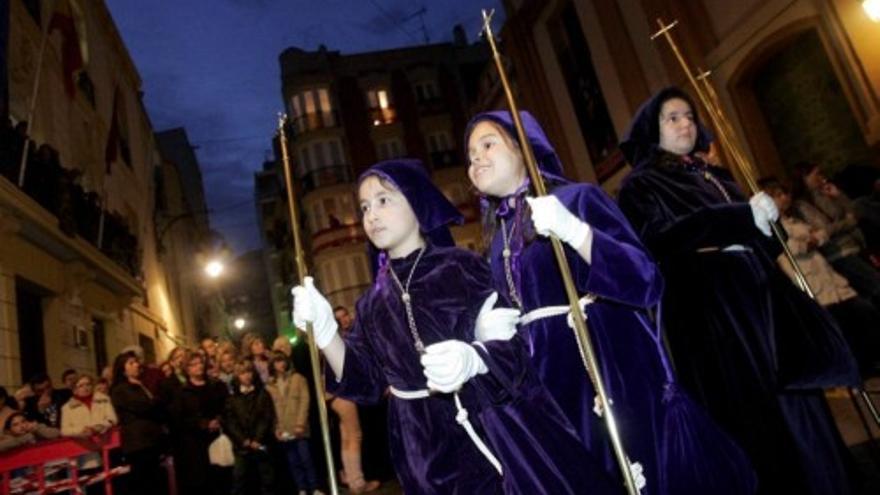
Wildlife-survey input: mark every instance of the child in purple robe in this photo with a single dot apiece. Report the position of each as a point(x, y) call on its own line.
point(749, 346)
point(678, 448)
point(468, 414)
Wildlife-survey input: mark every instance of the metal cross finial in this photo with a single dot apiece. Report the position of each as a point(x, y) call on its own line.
point(664, 28)
point(487, 22)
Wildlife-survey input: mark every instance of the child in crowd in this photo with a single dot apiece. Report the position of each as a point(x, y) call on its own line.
point(249, 421)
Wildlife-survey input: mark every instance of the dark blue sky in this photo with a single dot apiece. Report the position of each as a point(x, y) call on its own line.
point(211, 66)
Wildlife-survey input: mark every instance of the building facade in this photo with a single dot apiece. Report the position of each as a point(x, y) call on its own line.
point(347, 112)
point(80, 274)
point(185, 240)
point(798, 79)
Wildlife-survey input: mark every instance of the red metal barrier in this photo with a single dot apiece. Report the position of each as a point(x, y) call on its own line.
point(63, 452)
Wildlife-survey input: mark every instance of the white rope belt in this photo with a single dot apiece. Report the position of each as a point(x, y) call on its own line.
point(551, 311)
point(733, 248)
point(461, 417)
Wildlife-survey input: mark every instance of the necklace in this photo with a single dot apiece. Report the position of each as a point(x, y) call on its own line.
point(715, 182)
point(407, 301)
point(508, 271)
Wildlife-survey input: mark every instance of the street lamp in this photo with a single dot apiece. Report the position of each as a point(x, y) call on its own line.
point(214, 268)
point(239, 323)
point(872, 8)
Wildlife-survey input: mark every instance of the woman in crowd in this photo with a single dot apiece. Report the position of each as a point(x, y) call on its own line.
point(140, 418)
point(195, 419)
point(254, 348)
point(87, 414)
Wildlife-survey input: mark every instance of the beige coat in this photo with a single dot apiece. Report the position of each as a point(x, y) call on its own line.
point(76, 417)
point(827, 285)
point(290, 394)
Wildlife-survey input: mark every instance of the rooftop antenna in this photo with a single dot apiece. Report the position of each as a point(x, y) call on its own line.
point(421, 15)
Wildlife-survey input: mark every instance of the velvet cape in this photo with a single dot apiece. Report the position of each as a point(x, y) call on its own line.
point(682, 451)
point(746, 343)
point(538, 449)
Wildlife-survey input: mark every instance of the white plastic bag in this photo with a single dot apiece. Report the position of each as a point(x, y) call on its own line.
point(220, 451)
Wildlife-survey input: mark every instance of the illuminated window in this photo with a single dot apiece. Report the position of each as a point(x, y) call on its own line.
point(312, 109)
point(381, 109)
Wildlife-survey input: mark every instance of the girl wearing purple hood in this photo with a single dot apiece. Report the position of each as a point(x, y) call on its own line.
point(467, 415)
point(674, 443)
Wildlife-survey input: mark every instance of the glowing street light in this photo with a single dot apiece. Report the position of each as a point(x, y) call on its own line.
point(872, 8)
point(239, 323)
point(214, 268)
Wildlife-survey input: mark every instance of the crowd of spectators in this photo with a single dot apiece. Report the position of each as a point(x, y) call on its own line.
point(170, 413)
point(826, 233)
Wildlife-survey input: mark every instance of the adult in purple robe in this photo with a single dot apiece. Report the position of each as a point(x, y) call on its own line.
point(507, 407)
point(679, 448)
point(746, 343)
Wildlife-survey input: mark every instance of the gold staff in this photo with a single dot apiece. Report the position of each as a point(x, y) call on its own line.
point(732, 144)
point(729, 139)
point(582, 336)
point(302, 271)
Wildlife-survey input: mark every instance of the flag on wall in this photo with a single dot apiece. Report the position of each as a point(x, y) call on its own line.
point(111, 150)
point(4, 58)
point(64, 21)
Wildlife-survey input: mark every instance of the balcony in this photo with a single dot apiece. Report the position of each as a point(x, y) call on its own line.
point(314, 121)
point(53, 211)
point(337, 236)
point(444, 159)
point(326, 176)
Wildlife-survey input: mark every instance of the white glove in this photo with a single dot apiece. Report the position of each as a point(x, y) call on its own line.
point(451, 363)
point(309, 306)
point(495, 323)
point(764, 212)
point(550, 217)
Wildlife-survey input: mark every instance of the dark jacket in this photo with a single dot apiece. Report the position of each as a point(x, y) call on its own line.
point(194, 407)
point(249, 416)
point(140, 417)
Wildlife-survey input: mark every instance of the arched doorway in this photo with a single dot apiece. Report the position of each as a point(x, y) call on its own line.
point(793, 105)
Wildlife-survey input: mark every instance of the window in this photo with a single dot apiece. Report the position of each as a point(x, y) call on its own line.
point(390, 148)
point(312, 109)
point(426, 91)
point(439, 141)
point(381, 110)
point(573, 54)
point(378, 98)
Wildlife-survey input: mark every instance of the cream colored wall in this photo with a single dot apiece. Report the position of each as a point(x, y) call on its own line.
point(79, 132)
point(559, 90)
point(737, 49)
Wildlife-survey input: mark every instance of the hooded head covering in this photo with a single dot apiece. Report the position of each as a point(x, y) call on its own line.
point(433, 211)
point(545, 156)
point(640, 146)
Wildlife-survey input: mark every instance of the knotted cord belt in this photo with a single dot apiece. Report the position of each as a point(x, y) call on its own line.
point(461, 417)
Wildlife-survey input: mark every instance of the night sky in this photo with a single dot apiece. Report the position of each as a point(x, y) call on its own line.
point(211, 66)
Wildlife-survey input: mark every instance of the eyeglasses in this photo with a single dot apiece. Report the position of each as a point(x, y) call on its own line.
point(84, 384)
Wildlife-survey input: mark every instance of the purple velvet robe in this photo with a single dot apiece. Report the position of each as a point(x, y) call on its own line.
point(740, 333)
point(681, 449)
point(539, 451)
